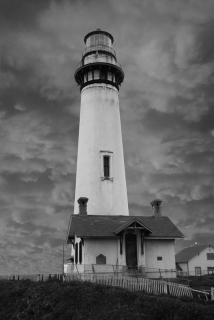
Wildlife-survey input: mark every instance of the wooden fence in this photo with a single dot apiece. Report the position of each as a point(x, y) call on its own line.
point(136, 284)
point(130, 283)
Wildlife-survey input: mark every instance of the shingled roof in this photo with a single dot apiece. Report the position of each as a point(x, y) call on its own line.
point(94, 226)
point(188, 253)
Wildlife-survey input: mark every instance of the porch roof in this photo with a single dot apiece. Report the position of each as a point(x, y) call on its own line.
point(94, 226)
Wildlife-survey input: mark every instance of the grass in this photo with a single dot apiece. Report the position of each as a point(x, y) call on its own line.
point(81, 300)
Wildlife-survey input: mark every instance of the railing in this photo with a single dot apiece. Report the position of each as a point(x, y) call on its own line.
point(136, 271)
point(89, 60)
point(99, 47)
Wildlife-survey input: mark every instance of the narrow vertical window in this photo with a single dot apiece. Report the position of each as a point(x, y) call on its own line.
point(106, 165)
point(76, 253)
point(80, 252)
point(106, 168)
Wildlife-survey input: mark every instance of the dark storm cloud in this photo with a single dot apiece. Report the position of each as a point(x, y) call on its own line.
point(205, 43)
point(21, 13)
point(16, 184)
point(166, 106)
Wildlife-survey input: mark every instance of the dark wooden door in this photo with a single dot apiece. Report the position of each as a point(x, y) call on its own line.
point(131, 251)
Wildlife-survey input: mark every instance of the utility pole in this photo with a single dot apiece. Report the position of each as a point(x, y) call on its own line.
point(63, 258)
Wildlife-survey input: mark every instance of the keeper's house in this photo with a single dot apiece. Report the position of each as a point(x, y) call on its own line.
point(195, 260)
point(123, 243)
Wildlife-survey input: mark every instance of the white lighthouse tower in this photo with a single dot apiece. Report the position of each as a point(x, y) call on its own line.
point(100, 161)
point(103, 237)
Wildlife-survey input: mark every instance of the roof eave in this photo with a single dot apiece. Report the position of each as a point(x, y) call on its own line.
point(68, 236)
point(98, 237)
point(163, 237)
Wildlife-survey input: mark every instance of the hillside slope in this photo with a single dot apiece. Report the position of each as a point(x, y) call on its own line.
point(78, 300)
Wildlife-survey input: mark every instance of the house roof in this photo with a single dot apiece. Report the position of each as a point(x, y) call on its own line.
point(94, 226)
point(188, 253)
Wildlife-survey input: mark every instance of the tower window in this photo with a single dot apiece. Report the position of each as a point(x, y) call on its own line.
point(106, 164)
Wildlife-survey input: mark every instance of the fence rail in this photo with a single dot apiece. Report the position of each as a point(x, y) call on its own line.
point(121, 269)
point(132, 284)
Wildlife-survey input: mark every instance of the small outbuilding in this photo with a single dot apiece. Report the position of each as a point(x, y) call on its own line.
point(195, 260)
point(124, 243)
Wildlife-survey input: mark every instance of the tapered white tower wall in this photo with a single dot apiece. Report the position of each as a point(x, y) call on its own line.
point(100, 138)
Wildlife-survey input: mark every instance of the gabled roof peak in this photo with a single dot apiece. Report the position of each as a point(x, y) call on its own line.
point(131, 222)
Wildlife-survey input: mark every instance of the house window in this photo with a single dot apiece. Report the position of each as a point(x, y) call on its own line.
point(76, 253)
point(80, 252)
point(101, 259)
point(197, 271)
point(210, 270)
point(210, 256)
point(106, 165)
point(159, 258)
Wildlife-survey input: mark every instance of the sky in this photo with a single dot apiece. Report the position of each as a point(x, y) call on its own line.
point(167, 113)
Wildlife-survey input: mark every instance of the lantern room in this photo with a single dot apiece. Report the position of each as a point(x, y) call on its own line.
point(99, 63)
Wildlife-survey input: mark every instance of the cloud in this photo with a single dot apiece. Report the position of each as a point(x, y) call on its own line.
point(166, 104)
point(20, 107)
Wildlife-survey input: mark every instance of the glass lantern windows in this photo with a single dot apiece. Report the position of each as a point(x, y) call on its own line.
point(98, 39)
point(102, 74)
point(110, 76)
point(90, 76)
point(96, 74)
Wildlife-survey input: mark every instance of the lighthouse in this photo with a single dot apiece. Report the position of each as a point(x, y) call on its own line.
point(102, 234)
point(100, 176)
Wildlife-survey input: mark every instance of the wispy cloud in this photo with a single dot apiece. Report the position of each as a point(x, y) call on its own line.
point(166, 106)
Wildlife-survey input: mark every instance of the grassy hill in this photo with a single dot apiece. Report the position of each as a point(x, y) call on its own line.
point(78, 300)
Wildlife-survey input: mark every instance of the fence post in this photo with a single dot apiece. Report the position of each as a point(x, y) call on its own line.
point(167, 287)
point(113, 269)
point(212, 293)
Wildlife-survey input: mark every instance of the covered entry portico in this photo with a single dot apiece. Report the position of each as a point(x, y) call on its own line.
point(132, 243)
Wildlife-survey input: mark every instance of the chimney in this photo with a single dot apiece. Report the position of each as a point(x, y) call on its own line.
point(82, 206)
point(156, 208)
